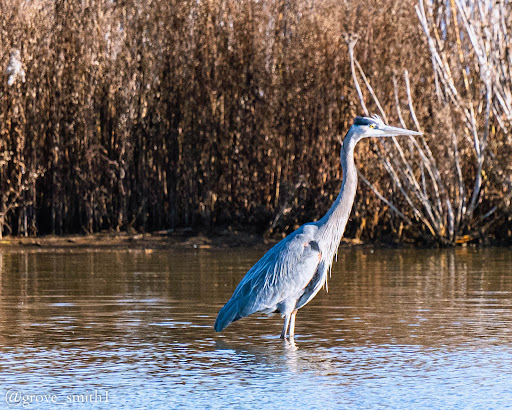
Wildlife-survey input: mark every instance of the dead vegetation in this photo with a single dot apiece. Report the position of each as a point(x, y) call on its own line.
point(142, 116)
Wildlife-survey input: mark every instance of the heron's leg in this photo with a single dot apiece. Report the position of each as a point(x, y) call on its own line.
point(285, 327)
point(291, 331)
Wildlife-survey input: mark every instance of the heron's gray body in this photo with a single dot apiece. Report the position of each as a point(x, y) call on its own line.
point(292, 272)
point(272, 284)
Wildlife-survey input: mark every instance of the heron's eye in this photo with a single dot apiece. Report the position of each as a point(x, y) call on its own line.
point(372, 125)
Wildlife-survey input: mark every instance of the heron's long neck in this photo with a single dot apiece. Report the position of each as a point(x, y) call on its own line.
point(332, 225)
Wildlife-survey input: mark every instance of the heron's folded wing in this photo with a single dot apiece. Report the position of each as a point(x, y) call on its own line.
point(283, 272)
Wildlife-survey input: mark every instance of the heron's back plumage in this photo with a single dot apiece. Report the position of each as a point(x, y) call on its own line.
point(277, 280)
point(228, 314)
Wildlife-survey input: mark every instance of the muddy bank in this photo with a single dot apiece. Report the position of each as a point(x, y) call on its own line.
point(158, 240)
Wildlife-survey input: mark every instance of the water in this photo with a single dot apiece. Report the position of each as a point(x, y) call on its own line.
point(133, 329)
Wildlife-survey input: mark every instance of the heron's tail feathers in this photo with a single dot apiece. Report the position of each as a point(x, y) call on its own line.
point(227, 315)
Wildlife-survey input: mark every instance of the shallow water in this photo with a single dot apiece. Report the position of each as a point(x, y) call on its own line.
point(133, 329)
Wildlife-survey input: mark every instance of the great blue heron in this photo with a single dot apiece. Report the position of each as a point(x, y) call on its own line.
point(292, 272)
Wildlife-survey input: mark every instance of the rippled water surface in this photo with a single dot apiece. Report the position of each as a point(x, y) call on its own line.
point(133, 329)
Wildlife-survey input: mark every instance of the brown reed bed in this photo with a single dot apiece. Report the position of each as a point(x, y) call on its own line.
point(144, 116)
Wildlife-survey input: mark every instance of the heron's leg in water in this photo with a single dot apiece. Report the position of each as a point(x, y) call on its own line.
point(285, 327)
point(291, 331)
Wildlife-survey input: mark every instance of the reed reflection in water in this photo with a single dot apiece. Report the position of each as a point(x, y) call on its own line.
point(397, 329)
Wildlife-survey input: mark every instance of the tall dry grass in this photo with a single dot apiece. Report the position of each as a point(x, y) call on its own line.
point(167, 114)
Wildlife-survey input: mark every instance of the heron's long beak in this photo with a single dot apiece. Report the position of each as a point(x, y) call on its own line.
point(389, 131)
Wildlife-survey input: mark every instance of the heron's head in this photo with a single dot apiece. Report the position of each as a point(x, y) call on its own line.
point(374, 127)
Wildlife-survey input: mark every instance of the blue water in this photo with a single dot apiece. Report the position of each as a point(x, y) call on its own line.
point(398, 329)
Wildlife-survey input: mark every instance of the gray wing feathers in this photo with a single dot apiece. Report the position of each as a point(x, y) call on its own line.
point(283, 272)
